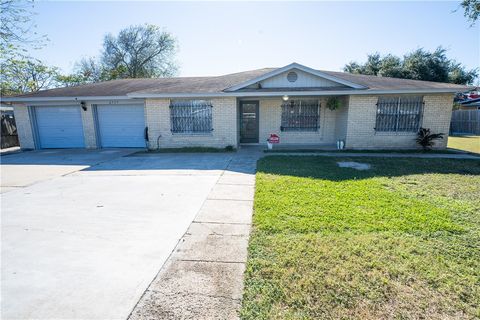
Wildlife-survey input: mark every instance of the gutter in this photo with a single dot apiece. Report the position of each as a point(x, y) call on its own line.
point(66, 99)
point(289, 93)
point(132, 96)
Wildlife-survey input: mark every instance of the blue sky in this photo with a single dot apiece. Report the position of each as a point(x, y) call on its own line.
point(223, 37)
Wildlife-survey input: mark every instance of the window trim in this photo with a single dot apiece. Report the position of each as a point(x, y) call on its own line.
point(397, 113)
point(190, 103)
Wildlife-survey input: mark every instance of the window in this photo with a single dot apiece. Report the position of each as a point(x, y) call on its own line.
point(193, 116)
point(399, 114)
point(300, 115)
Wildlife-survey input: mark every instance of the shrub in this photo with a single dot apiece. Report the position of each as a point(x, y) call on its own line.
point(426, 138)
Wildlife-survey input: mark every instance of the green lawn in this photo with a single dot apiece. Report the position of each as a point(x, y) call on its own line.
point(465, 143)
point(399, 241)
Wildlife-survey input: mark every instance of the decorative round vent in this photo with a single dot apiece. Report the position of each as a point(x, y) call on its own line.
point(292, 76)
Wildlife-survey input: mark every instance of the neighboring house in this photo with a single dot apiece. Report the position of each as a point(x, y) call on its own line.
point(245, 107)
point(470, 104)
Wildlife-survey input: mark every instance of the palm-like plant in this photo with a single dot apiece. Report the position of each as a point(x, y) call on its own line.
point(426, 138)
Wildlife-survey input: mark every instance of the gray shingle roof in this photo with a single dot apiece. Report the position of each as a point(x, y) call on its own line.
point(217, 85)
point(386, 83)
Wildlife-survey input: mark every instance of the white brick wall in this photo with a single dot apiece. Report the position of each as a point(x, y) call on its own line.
point(355, 121)
point(362, 115)
point(437, 116)
point(24, 128)
point(271, 118)
point(88, 122)
point(224, 121)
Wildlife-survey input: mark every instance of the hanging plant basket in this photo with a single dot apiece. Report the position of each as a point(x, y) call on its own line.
point(333, 103)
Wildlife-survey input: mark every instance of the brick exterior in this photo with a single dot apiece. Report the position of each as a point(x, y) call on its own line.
point(24, 128)
point(224, 121)
point(362, 115)
point(354, 122)
point(270, 122)
point(88, 122)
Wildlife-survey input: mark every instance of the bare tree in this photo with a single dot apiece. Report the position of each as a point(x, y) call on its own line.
point(141, 51)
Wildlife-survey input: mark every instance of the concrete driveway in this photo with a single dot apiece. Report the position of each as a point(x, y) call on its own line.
point(85, 232)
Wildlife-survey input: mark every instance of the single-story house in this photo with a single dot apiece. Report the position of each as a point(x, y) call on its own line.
point(299, 104)
point(470, 104)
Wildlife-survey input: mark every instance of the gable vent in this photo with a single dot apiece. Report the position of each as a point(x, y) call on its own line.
point(292, 76)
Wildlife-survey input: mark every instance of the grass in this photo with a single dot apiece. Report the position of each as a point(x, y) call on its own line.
point(465, 143)
point(189, 150)
point(399, 241)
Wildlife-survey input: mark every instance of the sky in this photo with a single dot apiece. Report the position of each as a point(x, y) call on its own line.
point(217, 38)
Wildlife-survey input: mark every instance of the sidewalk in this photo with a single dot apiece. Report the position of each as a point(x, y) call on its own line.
point(203, 278)
point(378, 155)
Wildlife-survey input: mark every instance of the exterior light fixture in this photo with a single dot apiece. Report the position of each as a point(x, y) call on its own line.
point(83, 105)
point(285, 98)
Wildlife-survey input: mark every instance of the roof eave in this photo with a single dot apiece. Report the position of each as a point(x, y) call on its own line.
point(79, 98)
point(133, 96)
point(291, 93)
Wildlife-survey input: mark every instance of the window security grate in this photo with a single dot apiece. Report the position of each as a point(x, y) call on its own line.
point(399, 114)
point(193, 116)
point(300, 115)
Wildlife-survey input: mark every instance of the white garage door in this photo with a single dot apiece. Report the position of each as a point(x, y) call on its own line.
point(121, 126)
point(59, 127)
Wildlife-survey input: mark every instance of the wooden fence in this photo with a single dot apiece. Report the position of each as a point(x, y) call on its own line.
point(465, 122)
point(9, 130)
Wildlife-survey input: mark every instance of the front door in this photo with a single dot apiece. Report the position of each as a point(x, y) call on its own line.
point(248, 121)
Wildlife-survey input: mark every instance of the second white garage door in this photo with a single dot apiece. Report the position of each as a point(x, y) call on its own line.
point(121, 126)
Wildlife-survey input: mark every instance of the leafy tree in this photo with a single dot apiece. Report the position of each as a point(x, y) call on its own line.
point(87, 70)
point(418, 65)
point(17, 31)
point(391, 66)
point(141, 51)
point(371, 67)
point(19, 72)
point(471, 10)
point(26, 75)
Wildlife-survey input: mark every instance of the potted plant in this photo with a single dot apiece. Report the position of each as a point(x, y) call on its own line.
point(333, 103)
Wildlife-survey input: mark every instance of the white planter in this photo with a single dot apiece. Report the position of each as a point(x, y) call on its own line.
point(269, 145)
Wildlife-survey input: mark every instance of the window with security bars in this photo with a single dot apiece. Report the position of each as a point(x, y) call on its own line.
point(399, 114)
point(300, 115)
point(192, 116)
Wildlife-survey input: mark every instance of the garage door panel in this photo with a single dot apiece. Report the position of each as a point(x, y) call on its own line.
point(59, 127)
point(121, 126)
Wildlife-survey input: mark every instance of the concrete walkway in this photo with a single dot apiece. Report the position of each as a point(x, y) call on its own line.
point(378, 155)
point(203, 278)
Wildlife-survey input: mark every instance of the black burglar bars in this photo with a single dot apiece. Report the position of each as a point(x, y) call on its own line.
point(193, 116)
point(300, 115)
point(399, 114)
